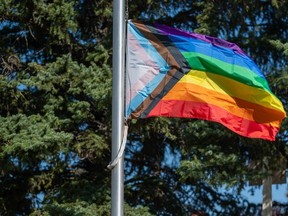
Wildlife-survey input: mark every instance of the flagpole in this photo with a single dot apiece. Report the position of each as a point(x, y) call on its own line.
point(117, 173)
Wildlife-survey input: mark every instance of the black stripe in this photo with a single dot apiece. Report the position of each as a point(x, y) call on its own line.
point(181, 69)
point(174, 51)
point(165, 90)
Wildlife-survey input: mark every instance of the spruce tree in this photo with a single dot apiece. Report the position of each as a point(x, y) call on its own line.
point(55, 111)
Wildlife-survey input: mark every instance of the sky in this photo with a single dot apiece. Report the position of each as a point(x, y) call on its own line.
point(279, 193)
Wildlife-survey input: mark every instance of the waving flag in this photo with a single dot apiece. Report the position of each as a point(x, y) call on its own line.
point(174, 73)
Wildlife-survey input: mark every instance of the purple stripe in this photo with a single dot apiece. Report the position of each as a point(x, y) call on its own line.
point(215, 41)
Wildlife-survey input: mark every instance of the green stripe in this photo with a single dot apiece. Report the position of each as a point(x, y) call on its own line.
point(206, 63)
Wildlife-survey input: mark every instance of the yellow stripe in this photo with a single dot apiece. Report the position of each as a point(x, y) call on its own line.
point(233, 88)
point(247, 110)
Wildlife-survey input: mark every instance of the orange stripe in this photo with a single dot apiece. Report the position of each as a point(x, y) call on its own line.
point(225, 85)
point(238, 107)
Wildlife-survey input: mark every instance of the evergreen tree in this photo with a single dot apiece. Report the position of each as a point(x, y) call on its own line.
point(55, 111)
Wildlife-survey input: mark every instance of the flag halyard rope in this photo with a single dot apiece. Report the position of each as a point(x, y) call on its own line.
point(121, 150)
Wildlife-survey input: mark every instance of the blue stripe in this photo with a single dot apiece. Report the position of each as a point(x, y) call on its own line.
point(158, 60)
point(187, 44)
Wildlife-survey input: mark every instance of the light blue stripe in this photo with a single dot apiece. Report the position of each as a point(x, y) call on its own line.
point(158, 60)
point(149, 48)
point(187, 44)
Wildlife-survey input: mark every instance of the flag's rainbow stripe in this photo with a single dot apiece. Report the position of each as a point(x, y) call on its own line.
point(181, 74)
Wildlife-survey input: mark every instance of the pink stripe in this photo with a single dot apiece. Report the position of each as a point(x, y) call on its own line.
point(138, 56)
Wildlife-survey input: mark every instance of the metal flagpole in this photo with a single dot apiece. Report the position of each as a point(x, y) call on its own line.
point(117, 182)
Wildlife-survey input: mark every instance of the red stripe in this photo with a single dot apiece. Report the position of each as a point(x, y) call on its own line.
point(189, 109)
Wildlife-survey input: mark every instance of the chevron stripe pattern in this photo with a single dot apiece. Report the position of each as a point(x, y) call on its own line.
point(174, 73)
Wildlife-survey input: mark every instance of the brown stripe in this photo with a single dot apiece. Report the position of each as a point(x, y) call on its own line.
point(171, 78)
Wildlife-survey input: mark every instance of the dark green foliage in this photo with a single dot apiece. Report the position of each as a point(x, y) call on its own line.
point(55, 111)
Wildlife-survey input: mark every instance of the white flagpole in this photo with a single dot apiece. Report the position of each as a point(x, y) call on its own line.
point(117, 181)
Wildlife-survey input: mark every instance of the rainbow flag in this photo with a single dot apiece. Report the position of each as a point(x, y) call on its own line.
point(174, 73)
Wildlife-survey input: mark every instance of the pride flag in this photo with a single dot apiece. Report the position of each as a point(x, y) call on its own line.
point(174, 73)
